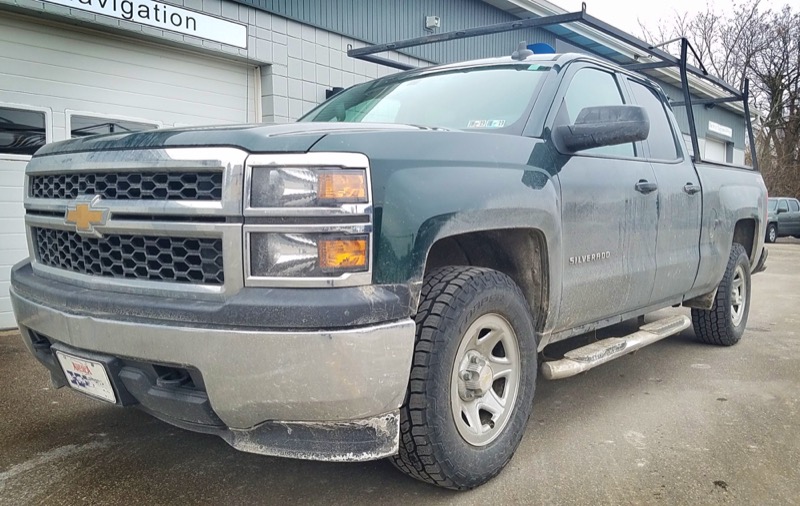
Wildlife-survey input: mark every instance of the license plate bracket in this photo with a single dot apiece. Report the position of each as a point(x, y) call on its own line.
point(87, 376)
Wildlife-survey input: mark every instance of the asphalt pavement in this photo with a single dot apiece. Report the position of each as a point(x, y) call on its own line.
point(676, 423)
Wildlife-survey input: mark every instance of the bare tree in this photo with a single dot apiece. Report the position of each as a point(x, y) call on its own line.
point(747, 41)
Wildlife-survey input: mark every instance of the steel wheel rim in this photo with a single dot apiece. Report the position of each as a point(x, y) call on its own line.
point(480, 414)
point(738, 295)
point(772, 234)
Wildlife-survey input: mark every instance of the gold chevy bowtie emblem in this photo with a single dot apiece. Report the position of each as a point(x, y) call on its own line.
point(85, 217)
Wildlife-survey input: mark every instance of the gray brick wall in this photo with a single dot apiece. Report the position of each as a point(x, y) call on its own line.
point(297, 62)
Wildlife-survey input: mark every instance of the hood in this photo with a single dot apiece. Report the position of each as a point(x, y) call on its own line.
point(258, 138)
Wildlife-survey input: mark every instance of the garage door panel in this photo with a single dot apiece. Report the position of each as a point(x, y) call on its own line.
point(12, 177)
point(102, 72)
point(76, 97)
point(10, 226)
point(11, 210)
point(78, 47)
point(10, 194)
point(10, 256)
point(6, 317)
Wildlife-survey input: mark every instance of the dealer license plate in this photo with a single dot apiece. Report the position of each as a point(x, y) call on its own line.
point(87, 376)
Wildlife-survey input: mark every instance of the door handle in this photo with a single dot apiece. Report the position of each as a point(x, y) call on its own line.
point(645, 186)
point(691, 189)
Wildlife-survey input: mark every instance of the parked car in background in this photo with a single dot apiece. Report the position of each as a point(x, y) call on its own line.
point(783, 218)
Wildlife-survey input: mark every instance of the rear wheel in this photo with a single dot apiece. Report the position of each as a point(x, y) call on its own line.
point(772, 233)
point(472, 378)
point(725, 322)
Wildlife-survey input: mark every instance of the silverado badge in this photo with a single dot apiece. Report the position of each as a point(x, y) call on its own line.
point(85, 215)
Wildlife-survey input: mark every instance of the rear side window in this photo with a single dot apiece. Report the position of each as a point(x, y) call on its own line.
point(592, 87)
point(661, 139)
point(84, 126)
point(22, 132)
point(794, 206)
point(783, 206)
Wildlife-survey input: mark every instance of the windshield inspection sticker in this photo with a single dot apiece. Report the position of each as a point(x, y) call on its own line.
point(486, 123)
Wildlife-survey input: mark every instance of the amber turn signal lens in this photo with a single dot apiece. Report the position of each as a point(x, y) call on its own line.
point(343, 254)
point(343, 186)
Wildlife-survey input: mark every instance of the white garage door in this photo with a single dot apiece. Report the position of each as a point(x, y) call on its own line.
point(715, 151)
point(91, 82)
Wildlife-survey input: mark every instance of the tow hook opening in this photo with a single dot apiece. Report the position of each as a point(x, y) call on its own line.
point(173, 377)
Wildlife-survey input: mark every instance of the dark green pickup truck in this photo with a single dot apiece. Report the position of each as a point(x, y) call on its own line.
point(379, 279)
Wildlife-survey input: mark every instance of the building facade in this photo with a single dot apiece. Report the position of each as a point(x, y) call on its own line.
point(70, 68)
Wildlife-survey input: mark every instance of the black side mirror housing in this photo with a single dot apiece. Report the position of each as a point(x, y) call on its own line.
point(781, 211)
point(607, 125)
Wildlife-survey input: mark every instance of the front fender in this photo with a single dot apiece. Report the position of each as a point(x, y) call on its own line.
point(428, 185)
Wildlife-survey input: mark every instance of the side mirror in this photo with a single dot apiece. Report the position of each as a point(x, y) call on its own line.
point(781, 210)
point(606, 125)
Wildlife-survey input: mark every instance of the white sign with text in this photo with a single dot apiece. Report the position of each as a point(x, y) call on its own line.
point(720, 129)
point(166, 17)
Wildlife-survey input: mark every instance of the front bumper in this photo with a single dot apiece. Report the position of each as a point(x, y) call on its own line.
point(307, 394)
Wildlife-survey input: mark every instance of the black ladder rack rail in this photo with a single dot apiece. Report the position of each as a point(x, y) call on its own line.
point(662, 60)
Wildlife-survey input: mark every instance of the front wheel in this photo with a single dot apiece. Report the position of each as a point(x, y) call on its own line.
point(725, 322)
point(472, 378)
point(772, 233)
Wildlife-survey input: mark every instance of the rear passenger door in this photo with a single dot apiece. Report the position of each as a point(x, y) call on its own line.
point(679, 204)
point(784, 218)
point(794, 214)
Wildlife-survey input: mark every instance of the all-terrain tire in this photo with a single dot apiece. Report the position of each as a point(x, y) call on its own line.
point(720, 325)
point(431, 448)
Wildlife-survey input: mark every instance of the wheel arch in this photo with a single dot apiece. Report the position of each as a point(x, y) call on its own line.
point(744, 233)
point(520, 253)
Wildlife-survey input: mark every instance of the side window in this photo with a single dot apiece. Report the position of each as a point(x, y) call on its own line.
point(22, 132)
point(783, 206)
point(794, 206)
point(84, 126)
point(661, 139)
point(592, 87)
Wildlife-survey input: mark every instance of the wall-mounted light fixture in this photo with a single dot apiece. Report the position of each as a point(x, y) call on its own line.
point(332, 91)
point(432, 23)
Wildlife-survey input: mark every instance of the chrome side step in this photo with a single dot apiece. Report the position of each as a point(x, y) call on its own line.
point(590, 356)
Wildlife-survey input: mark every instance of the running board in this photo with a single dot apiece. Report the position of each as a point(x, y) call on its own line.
point(590, 356)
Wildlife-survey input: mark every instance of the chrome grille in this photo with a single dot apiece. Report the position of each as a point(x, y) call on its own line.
point(153, 258)
point(129, 185)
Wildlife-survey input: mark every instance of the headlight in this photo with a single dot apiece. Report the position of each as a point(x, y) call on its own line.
point(277, 255)
point(307, 187)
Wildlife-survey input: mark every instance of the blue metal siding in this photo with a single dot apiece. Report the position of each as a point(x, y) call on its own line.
point(381, 21)
point(702, 115)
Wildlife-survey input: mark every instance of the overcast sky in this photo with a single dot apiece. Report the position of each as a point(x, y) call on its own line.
point(625, 13)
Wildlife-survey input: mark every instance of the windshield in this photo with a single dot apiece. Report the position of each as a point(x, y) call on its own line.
point(772, 204)
point(489, 97)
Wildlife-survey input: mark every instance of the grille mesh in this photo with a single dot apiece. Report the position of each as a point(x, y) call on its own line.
point(130, 185)
point(171, 259)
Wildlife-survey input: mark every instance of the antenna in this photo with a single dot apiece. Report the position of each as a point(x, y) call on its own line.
point(522, 51)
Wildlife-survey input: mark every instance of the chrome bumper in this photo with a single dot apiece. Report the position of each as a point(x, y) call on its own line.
point(255, 376)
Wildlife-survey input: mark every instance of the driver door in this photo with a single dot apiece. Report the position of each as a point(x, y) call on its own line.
point(608, 225)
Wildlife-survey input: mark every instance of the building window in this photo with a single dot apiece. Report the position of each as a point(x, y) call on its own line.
point(21, 132)
point(84, 126)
